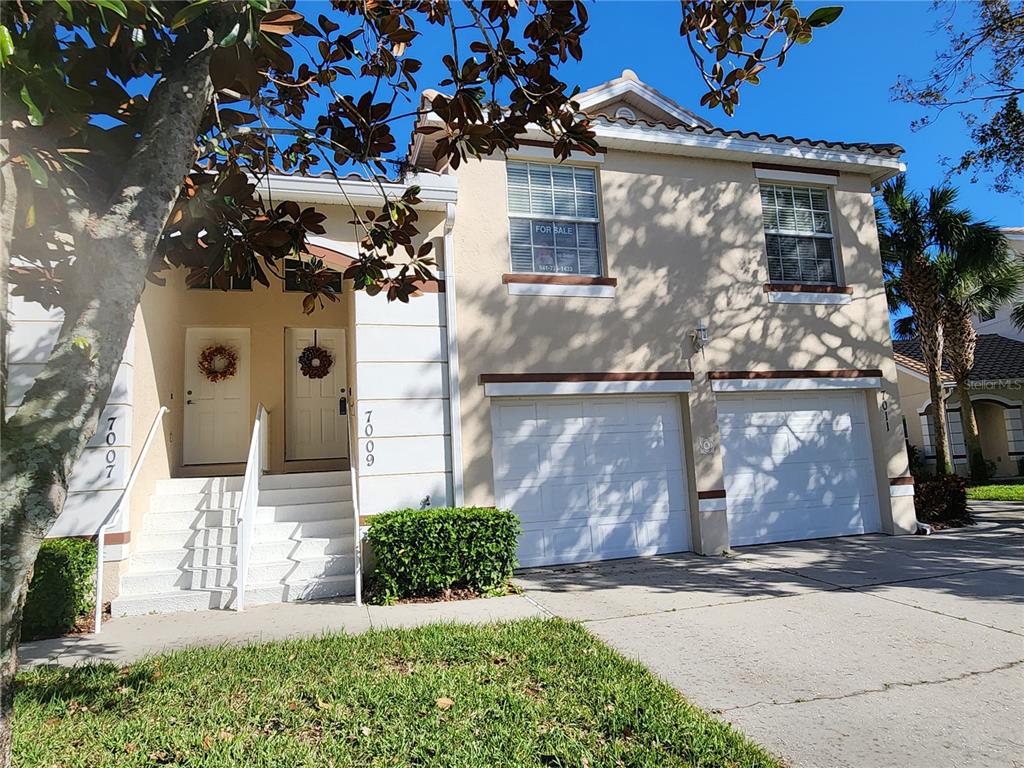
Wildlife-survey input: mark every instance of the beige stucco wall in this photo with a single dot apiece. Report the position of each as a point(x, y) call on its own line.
point(166, 311)
point(684, 238)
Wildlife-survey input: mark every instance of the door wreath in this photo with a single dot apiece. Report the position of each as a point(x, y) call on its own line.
point(218, 362)
point(315, 362)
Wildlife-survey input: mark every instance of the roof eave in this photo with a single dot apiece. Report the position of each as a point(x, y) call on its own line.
point(436, 190)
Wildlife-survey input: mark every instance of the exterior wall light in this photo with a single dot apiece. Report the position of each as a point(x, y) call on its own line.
point(700, 336)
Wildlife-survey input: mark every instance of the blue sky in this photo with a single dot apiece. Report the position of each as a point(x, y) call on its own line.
point(838, 87)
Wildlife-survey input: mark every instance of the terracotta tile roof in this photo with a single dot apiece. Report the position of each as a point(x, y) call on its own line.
point(995, 358)
point(894, 150)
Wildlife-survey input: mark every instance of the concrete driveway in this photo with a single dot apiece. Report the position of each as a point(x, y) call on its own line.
point(860, 652)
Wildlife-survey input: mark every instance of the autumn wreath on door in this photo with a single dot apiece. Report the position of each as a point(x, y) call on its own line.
point(218, 362)
point(315, 362)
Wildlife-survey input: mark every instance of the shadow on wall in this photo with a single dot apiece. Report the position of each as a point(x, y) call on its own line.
point(684, 252)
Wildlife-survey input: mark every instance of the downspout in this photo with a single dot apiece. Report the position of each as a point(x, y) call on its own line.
point(454, 395)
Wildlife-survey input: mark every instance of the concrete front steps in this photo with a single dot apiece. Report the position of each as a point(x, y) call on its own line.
point(185, 557)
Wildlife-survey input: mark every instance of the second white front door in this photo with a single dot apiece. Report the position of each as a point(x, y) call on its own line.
point(217, 418)
point(315, 426)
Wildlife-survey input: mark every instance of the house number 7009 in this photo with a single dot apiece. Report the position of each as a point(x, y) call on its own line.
point(368, 445)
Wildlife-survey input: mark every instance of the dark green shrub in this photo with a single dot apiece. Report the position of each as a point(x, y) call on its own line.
point(421, 552)
point(942, 500)
point(62, 588)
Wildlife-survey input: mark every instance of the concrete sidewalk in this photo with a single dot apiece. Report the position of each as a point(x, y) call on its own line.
point(128, 639)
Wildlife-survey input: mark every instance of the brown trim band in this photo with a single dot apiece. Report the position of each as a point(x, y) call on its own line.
point(847, 373)
point(123, 537)
point(514, 378)
point(718, 494)
point(795, 169)
point(517, 277)
point(901, 480)
point(550, 145)
point(806, 288)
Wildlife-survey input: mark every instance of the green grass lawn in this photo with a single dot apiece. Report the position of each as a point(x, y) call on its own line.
point(527, 693)
point(997, 492)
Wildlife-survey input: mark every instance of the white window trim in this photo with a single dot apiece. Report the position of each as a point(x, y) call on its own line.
point(807, 297)
point(796, 384)
point(544, 388)
point(549, 289)
point(798, 233)
point(567, 219)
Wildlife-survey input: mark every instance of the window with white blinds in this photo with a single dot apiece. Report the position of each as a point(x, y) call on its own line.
point(798, 234)
point(553, 219)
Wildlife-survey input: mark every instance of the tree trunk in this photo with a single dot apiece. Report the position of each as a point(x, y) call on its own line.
point(921, 286)
point(58, 416)
point(961, 340)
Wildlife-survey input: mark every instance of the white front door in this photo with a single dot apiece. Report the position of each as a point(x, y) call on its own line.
point(217, 417)
point(591, 478)
point(798, 465)
point(315, 427)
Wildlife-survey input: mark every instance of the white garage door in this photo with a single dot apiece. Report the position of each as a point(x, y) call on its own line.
point(797, 466)
point(591, 478)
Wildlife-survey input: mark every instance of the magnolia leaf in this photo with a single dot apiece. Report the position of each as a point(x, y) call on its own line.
point(117, 6)
point(36, 170)
point(66, 7)
point(825, 16)
point(35, 116)
point(188, 13)
point(6, 45)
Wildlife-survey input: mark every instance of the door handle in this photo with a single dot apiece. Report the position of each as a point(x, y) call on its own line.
point(188, 402)
point(342, 406)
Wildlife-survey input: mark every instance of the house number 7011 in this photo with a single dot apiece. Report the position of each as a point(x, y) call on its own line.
point(368, 432)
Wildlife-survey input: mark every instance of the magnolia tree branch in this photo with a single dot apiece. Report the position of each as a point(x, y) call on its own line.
point(114, 241)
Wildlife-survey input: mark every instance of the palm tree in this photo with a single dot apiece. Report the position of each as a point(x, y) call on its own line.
point(979, 277)
point(913, 233)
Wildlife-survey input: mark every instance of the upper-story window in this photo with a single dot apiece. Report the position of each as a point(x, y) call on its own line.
point(224, 282)
point(553, 219)
point(798, 234)
point(985, 316)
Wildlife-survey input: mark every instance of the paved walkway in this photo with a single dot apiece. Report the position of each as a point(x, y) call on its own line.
point(841, 653)
point(127, 639)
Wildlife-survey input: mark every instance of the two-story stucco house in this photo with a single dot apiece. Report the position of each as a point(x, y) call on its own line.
point(681, 343)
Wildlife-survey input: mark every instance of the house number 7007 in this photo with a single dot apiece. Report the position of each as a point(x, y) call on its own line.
point(110, 438)
point(368, 432)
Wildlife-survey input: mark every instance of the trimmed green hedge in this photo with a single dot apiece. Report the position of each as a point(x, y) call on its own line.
point(421, 552)
point(941, 500)
point(62, 588)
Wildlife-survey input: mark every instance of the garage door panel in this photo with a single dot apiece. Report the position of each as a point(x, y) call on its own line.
point(591, 477)
point(797, 466)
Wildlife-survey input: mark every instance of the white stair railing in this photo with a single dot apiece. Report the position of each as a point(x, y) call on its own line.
point(101, 531)
point(256, 463)
point(353, 464)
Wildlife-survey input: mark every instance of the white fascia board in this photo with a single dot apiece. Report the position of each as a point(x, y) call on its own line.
point(772, 174)
point(640, 138)
point(546, 388)
point(796, 384)
point(630, 86)
point(545, 153)
point(436, 191)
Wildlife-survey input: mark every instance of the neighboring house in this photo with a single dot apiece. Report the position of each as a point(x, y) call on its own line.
point(1000, 321)
point(681, 343)
point(997, 394)
point(997, 391)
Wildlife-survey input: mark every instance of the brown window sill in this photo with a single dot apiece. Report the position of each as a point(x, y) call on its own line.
point(806, 288)
point(517, 277)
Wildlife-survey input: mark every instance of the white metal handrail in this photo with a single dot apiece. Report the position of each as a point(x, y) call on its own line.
point(353, 464)
point(255, 466)
point(101, 531)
